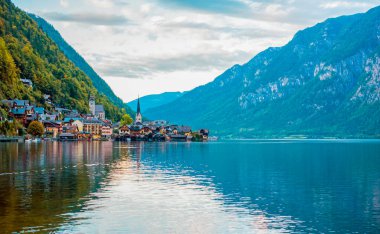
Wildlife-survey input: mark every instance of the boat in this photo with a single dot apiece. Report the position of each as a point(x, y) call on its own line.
point(28, 140)
point(213, 138)
point(36, 140)
point(68, 137)
point(178, 137)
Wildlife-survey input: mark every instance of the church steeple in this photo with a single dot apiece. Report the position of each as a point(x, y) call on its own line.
point(138, 119)
point(138, 105)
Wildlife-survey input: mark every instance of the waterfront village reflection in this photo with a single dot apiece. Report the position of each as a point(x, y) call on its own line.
point(82, 187)
point(40, 182)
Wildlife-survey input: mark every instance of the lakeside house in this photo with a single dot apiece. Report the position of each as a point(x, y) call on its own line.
point(93, 126)
point(107, 131)
point(27, 82)
point(52, 128)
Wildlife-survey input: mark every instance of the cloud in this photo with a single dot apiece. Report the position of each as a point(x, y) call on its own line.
point(119, 65)
point(102, 3)
point(87, 18)
point(344, 4)
point(64, 3)
point(216, 31)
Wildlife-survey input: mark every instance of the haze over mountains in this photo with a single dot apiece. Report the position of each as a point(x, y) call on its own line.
point(324, 82)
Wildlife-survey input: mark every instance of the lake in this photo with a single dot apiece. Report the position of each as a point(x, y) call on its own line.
point(275, 186)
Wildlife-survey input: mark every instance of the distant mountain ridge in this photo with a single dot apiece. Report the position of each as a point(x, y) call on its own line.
point(80, 62)
point(324, 83)
point(155, 100)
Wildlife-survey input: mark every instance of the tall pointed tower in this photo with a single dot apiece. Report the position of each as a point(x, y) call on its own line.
point(138, 119)
point(91, 103)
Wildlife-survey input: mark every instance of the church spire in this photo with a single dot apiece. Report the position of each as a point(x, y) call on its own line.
point(138, 119)
point(138, 105)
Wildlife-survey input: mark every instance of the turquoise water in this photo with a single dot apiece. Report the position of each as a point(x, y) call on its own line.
point(215, 187)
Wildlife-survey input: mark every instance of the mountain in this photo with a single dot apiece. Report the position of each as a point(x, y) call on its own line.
point(27, 52)
point(79, 61)
point(324, 83)
point(155, 100)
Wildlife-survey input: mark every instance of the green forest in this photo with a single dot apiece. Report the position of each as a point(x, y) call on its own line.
point(27, 52)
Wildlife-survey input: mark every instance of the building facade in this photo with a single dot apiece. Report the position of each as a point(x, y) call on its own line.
point(91, 104)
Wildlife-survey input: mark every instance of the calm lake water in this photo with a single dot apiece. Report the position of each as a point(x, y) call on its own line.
point(215, 187)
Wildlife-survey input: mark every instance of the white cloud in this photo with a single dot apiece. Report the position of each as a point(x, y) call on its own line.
point(345, 4)
point(102, 3)
point(64, 3)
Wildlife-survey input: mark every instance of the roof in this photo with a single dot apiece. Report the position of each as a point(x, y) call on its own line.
point(107, 122)
point(59, 109)
point(184, 129)
point(68, 119)
point(70, 127)
point(39, 110)
point(28, 81)
point(66, 135)
point(99, 108)
point(31, 117)
point(135, 127)
point(51, 123)
point(28, 108)
point(18, 111)
point(21, 102)
point(92, 121)
point(50, 116)
point(7, 102)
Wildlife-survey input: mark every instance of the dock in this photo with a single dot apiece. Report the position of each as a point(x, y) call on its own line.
point(11, 139)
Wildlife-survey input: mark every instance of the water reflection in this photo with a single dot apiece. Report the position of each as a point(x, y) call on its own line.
point(244, 187)
point(40, 182)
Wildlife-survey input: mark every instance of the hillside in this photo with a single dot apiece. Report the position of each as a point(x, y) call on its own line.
point(324, 83)
point(27, 52)
point(155, 100)
point(79, 61)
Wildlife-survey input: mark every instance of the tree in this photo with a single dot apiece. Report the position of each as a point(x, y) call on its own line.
point(11, 128)
point(36, 128)
point(126, 120)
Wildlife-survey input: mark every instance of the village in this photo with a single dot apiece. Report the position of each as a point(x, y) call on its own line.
point(69, 125)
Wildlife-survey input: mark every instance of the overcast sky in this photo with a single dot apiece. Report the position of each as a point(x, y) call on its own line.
point(153, 46)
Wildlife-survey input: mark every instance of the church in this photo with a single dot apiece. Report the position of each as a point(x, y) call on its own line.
point(96, 110)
